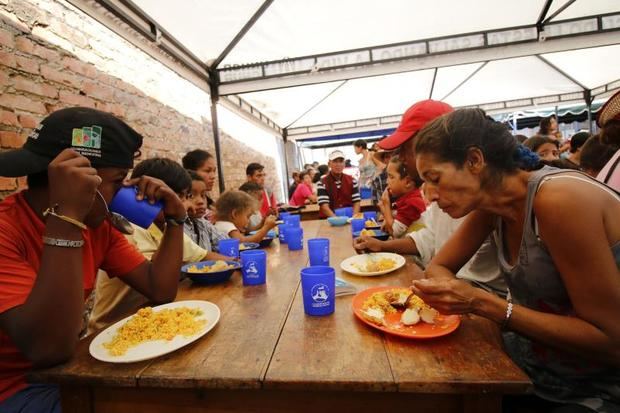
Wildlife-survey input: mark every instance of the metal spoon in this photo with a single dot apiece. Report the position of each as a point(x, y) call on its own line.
point(117, 220)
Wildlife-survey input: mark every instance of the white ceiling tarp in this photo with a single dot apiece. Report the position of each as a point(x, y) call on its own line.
point(291, 29)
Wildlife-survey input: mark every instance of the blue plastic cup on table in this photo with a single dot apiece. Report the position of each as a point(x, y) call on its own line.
point(283, 215)
point(254, 267)
point(341, 212)
point(141, 213)
point(357, 224)
point(318, 285)
point(294, 238)
point(293, 220)
point(349, 211)
point(370, 215)
point(318, 251)
point(229, 247)
point(282, 232)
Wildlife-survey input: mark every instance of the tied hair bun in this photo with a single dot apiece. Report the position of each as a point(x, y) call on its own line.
point(525, 158)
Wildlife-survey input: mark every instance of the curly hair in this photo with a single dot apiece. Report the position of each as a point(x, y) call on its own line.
point(231, 201)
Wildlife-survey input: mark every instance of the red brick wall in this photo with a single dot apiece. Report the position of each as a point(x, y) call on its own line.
point(51, 57)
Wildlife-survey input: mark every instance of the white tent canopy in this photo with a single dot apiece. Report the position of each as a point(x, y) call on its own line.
point(326, 67)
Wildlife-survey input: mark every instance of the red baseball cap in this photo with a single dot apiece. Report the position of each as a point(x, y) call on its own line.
point(414, 119)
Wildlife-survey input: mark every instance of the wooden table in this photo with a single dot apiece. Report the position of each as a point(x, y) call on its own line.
point(311, 212)
point(265, 354)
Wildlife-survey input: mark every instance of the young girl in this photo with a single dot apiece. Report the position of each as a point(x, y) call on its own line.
point(303, 191)
point(409, 204)
point(234, 209)
point(199, 229)
point(204, 164)
point(255, 191)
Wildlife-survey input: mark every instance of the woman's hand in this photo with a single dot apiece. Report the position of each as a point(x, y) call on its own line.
point(447, 296)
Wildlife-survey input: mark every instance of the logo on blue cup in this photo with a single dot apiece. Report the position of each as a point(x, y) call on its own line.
point(326, 255)
point(320, 294)
point(250, 269)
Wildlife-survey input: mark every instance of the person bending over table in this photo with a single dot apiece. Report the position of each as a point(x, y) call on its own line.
point(482, 269)
point(561, 264)
point(55, 235)
point(337, 189)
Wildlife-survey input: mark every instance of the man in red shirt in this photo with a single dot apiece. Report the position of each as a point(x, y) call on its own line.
point(55, 235)
point(337, 189)
point(255, 172)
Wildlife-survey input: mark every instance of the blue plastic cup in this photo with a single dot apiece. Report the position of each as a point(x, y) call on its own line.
point(357, 224)
point(282, 232)
point(229, 247)
point(294, 238)
point(318, 286)
point(283, 215)
point(341, 212)
point(254, 267)
point(349, 211)
point(293, 220)
point(318, 251)
point(141, 213)
point(370, 215)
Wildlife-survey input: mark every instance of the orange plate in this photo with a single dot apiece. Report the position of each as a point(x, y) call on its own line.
point(444, 324)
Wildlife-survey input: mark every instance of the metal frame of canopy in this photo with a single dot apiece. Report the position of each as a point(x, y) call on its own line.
point(225, 83)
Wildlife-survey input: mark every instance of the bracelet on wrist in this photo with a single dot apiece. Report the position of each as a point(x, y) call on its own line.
point(52, 212)
point(508, 314)
point(63, 243)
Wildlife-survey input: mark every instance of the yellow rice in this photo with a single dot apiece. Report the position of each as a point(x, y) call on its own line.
point(149, 325)
point(216, 267)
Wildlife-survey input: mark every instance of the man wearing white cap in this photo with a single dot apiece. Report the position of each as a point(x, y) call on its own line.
point(336, 189)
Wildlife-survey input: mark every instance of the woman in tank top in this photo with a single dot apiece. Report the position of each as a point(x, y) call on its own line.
point(558, 237)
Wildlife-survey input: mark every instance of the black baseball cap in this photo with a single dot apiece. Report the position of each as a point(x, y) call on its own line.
point(101, 137)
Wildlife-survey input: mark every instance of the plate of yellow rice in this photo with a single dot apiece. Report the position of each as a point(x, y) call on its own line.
point(154, 331)
point(376, 263)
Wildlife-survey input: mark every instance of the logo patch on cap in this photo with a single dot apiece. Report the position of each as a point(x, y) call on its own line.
point(87, 140)
point(34, 135)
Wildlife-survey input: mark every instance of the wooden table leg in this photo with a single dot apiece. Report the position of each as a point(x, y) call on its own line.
point(482, 403)
point(76, 399)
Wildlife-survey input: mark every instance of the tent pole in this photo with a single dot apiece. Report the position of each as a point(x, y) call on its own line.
point(588, 98)
point(216, 130)
point(285, 177)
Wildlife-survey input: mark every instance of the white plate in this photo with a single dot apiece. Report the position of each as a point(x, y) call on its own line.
point(349, 264)
point(154, 348)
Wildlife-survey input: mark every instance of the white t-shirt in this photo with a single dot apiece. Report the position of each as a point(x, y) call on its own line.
point(439, 227)
point(255, 219)
point(225, 227)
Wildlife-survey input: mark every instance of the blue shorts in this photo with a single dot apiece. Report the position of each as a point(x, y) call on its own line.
point(36, 398)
